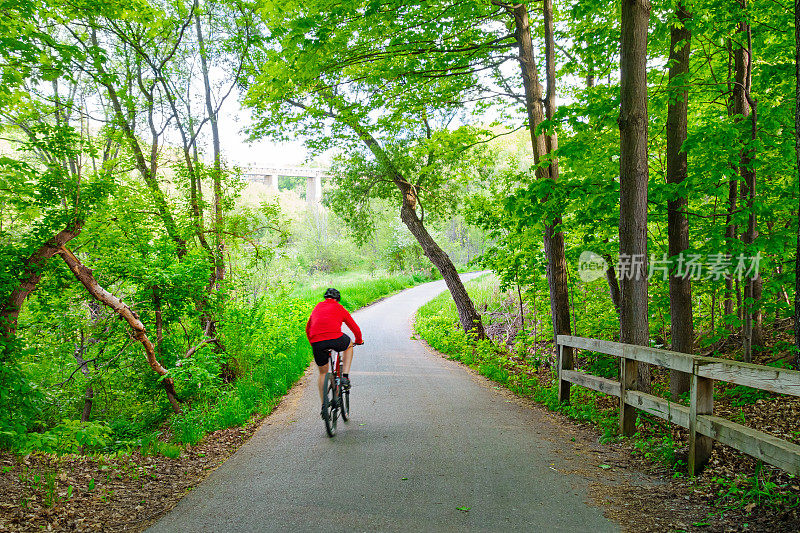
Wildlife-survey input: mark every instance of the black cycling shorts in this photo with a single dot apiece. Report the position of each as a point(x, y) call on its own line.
point(321, 348)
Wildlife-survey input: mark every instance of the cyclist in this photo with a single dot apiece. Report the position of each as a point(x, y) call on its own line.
point(324, 332)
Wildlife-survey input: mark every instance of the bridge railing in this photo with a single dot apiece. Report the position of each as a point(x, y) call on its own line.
point(699, 417)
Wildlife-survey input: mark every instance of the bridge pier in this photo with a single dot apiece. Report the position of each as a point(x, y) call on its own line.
point(271, 180)
point(313, 189)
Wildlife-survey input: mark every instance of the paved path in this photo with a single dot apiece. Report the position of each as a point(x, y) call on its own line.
point(426, 437)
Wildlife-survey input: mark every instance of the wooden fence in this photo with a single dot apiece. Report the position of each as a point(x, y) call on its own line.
point(699, 417)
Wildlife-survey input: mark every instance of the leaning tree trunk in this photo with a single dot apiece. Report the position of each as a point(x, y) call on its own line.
point(86, 277)
point(634, 175)
point(468, 316)
point(31, 275)
point(680, 289)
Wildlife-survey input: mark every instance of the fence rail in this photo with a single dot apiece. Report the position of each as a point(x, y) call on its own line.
point(698, 418)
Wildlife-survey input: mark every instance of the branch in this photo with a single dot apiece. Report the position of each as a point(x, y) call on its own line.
point(191, 351)
point(81, 366)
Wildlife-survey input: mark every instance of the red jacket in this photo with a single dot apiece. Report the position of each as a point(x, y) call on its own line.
point(325, 322)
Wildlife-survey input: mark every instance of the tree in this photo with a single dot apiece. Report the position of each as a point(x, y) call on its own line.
point(373, 74)
point(634, 174)
point(745, 107)
point(544, 148)
point(85, 276)
point(680, 290)
point(797, 156)
point(48, 186)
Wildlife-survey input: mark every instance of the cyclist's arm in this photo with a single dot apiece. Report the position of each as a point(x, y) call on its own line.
point(353, 327)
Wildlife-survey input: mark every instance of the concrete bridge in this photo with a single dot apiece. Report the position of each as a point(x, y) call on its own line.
point(269, 176)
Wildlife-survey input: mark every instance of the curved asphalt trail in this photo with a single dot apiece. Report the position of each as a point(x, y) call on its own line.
point(426, 437)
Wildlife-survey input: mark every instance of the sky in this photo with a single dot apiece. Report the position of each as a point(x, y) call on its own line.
point(261, 153)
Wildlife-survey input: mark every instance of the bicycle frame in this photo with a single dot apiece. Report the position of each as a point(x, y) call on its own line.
point(335, 367)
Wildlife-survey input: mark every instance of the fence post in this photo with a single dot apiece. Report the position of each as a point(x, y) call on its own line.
point(701, 402)
point(564, 363)
point(627, 380)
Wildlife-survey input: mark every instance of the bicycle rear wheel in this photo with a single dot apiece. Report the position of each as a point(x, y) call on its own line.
point(330, 404)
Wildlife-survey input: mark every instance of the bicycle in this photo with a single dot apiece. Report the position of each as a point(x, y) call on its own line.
point(335, 400)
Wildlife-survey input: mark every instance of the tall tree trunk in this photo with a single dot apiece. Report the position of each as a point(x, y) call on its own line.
point(634, 174)
point(219, 244)
point(553, 237)
point(148, 172)
point(86, 277)
point(743, 105)
point(31, 275)
point(680, 289)
point(797, 155)
point(189, 140)
point(730, 225)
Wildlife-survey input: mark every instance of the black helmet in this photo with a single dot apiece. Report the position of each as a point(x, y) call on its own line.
point(333, 293)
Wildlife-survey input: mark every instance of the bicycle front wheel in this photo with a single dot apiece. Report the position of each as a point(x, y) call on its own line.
point(330, 404)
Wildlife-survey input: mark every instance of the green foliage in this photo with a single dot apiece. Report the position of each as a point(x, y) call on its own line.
point(659, 447)
point(70, 436)
point(602, 365)
point(743, 395)
point(152, 445)
point(756, 491)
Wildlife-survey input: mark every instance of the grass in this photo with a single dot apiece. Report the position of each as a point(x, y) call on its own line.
point(358, 288)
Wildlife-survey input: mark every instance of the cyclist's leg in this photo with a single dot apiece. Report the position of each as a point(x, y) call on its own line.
point(321, 380)
point(348, 359)
point(321, 353)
